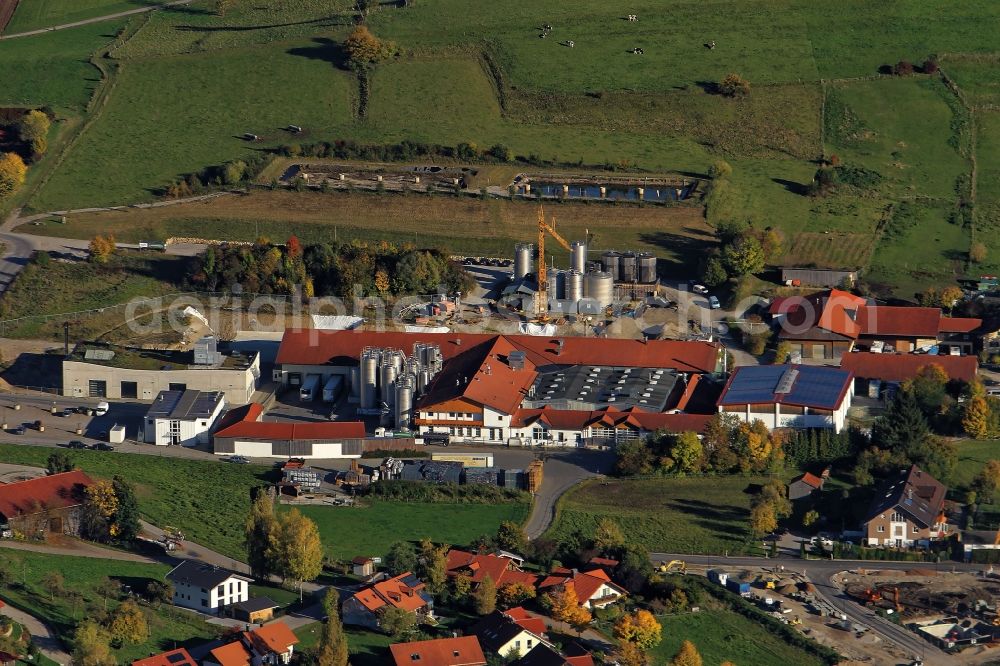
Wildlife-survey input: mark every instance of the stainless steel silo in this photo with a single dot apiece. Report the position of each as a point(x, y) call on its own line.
point(403, 406)
point(578, 255)
point(369, 379)
point(610, 260)
point(388, 381)
point(574, 286)
point(647, 267)
point(627, 267)
point(522, 259)
point(600, 288)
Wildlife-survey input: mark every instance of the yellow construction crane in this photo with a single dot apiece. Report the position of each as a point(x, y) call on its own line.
point(542, 296)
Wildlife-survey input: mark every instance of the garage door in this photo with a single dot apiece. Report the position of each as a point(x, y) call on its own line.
point(97, 388)
point(130, 390)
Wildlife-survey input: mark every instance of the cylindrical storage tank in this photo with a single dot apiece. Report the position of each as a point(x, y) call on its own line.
point(369, 381)
point(647, 267)
point(403, 406)
point(578, 255)
point(610, 260)
point(423, 379)
point(600, 288)
point(574, 286)
point(389, 374)
point(627, 268)
point(556, 285)
point(522, 259)
point(355, 383)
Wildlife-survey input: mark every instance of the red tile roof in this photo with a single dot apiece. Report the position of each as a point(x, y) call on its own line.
point(959, 324)
point(478, 566)
point(57, 491)
point(313, 347)
point(231, 654)
point(567, 419)
point(585, 584)
point(250, 428)
point(892, 320)
point(527, 621)
point(392, 592)
point(900, 367)
point(811, 480)
point(461, 651)
point(275, 637)
point(178, 657)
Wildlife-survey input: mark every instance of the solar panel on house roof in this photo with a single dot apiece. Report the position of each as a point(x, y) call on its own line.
point(817, 387)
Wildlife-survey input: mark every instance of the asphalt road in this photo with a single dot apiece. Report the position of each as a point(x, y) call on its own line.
point(822, 574)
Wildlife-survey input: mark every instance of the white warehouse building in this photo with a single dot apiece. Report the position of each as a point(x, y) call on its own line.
point(182, 417)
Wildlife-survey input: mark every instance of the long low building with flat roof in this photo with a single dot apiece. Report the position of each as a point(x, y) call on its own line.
point(116, 372)
point(507, 389)
point(243, 432)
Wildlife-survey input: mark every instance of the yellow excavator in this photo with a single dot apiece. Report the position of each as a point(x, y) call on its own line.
point(673, 565)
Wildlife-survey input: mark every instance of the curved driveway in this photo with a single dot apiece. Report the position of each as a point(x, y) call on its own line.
point(562, 471)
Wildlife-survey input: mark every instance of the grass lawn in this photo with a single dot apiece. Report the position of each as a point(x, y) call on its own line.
point(35, 14)
point(367, 648)
point(76, 286)
point(168, 627)
point(973, 454)
point(678, 235)
point(988, 202)
point(722, 635)
point(53, 68)
point(177, 115)
point(976, 75)
point(692, 515)
point(348, 531)
point(930, 252)
point(207, 500)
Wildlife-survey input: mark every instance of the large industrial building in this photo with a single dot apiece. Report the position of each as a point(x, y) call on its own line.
point(510, 389)
point(115, 372)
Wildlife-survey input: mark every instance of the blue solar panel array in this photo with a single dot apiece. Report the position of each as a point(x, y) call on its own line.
point(815, 386)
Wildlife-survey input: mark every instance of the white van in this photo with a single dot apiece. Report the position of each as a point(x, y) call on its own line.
point(102, 408)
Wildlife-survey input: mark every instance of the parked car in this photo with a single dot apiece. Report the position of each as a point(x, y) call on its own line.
point(101, 446)
point(713, 303)
point(75, 444)
point(69, 411)
point(102, 408)
point(241, 460)
point(699, 288)
point(19, 430)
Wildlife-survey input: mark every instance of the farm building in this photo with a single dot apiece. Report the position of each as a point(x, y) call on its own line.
point(182, 417)
point(242, 431)
point(789, 396)
point(898, 368)
point(817, 277)
point(47, 504)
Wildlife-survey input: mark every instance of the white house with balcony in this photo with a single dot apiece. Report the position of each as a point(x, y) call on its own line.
point(207, 588)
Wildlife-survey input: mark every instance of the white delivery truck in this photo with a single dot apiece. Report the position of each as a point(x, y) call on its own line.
point(310, 386)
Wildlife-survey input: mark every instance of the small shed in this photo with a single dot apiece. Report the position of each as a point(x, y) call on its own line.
point(804, 486)
point(363, 566)
point(254, 610)
point(718, 576)
point(116, 435)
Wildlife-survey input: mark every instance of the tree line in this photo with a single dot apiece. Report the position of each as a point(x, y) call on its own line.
point(327, 269)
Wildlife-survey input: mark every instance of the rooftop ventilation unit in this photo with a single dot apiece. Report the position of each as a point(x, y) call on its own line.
point(516, 360)
point(786, 381)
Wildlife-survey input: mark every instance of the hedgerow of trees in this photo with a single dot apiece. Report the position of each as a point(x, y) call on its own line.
point(327, 269)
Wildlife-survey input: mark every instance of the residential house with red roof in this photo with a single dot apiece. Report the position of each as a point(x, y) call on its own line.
point(458, 651)
point(829, 324)
point(573, 654)
point(907, 510)
point(594, 588)
point(270, 645)
point(405, 591)
point(44, 504)
point(479, 566)
point(178, 657)
point(509, 634)
point(520, 389)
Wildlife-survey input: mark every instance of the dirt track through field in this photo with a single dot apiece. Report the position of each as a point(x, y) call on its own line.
point(7, 8)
